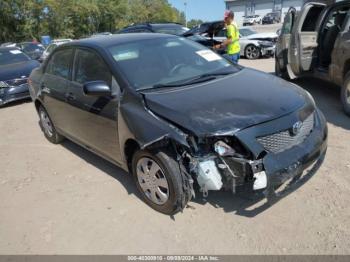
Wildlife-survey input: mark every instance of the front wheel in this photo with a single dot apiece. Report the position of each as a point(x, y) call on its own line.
point(158, 178)
point(252, 52)
point(345, 94)
point(48, 127)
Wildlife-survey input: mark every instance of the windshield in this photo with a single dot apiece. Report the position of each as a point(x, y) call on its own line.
point(171, 30)
point(162, 61)
point(12, 56)
point(246, 31)
point(29, 47)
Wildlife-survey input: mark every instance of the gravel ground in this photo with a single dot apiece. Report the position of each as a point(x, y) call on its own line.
point(65, 200)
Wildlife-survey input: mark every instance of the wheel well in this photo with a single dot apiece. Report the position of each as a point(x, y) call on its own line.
point(37, 104)
point(130, 147)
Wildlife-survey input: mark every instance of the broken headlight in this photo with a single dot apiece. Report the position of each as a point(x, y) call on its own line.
point(223, 149)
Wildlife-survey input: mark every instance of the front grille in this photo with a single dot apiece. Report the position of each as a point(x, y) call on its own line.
point(284, 140)
point(17, 81)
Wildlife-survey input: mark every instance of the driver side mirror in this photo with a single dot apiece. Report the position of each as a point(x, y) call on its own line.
point(97, 88)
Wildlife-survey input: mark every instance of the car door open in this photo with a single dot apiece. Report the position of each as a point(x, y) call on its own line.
point(303, 44)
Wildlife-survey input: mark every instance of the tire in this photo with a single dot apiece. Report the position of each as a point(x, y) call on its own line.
point(252, 52)
point(345, 94)
point(167, 198)
point(279, 72)
point(48, 128)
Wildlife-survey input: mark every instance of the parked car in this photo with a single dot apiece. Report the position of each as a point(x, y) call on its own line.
point(185, 115)
point(252, 20)
point(315, 42)
point(272, 18)
point(253, 45)
point(173, 29)
point(164, 28)
point(15, 67)
point(48, 50)
point(33, 50)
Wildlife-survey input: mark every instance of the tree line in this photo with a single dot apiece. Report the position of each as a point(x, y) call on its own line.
point(28, 19)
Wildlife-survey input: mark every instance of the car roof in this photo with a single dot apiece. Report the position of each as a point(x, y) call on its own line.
point(107, 41)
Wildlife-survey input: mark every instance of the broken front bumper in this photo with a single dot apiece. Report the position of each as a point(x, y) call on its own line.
point(268, 51)
point(293, 165)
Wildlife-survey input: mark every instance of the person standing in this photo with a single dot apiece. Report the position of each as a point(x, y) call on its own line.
point(232, 42)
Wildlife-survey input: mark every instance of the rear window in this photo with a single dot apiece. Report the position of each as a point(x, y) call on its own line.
point(12, 56)
point(171, 30)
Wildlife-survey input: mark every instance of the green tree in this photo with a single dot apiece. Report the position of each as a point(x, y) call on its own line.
point(27, 19)
point(194, 22)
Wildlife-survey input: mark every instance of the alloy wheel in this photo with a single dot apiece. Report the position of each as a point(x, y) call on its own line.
point(46, 123)
point(152, 180)
point(252, 52)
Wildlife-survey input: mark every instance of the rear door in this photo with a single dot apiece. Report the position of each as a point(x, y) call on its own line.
point(302, 51)
point(54, 84)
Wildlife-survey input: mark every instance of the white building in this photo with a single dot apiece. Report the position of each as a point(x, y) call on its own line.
point(260, 7)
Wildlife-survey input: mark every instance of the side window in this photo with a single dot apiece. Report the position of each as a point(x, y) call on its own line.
point(311, 19)
point(288, 23)
point(90, 67)
point(59, 64)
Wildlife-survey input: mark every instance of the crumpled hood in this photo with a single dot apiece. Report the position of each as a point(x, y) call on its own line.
point(17, 70)
point(228, 104)
point(261, 36)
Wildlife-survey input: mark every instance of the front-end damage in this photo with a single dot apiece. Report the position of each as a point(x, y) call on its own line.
point(240, 163)
point(234, 159)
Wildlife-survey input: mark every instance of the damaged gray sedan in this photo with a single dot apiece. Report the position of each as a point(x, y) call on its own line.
point(175, 115)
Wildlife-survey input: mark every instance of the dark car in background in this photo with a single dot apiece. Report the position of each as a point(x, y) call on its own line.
point(172, 29)
point(182, 116)
point(272, 18)
point(33, 50)
point(163, 28)
point(15, 67)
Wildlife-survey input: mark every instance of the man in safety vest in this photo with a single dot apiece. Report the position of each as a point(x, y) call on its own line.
point(232, 42)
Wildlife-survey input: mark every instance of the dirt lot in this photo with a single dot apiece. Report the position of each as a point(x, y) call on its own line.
point(65, 200)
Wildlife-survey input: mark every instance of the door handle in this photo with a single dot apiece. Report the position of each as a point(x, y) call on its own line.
point(70, 97)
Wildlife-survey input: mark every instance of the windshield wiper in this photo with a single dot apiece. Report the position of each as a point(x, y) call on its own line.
point(198, 79)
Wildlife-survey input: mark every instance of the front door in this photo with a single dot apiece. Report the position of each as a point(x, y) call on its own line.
point(302, 51)
point(93, 120)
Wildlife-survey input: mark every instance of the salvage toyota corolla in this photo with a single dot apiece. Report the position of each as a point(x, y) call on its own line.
point(176, 114)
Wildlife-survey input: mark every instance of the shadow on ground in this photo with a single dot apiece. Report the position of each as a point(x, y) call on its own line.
point(16, 103)
point(327, 98)
point(248, 204)
point(105, 166)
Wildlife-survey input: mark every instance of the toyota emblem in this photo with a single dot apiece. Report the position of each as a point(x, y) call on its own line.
point(296, 128)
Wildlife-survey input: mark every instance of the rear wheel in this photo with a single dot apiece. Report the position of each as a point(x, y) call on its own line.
point(48, 127)
point(345, 94)
point(252, 52)
point(158, 178)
